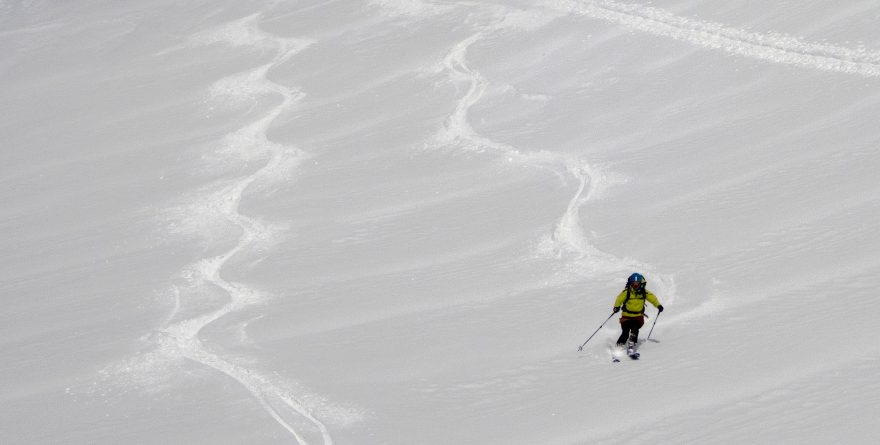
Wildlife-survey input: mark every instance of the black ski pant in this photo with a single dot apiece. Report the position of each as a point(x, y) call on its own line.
point(630, 326)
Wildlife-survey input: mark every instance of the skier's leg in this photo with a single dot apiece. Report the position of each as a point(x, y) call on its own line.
point(634, 327)
point(624, 335)
point(637, 324)
point(634, 336)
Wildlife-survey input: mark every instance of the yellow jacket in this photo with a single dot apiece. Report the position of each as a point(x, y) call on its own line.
point(635, 305)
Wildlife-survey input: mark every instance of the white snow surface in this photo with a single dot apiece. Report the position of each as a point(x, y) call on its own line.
point(395, 221)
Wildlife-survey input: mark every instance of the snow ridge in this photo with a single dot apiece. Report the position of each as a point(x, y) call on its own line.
point(771, 47)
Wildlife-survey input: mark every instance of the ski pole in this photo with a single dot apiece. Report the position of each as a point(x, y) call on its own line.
point(652, 326)
point(581, 347)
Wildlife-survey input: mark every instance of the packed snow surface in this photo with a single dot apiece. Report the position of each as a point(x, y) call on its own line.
point(395, 221)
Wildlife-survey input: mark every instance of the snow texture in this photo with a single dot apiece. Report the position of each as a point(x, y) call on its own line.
point(395, 221)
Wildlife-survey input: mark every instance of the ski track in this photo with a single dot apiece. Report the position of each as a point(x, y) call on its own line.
point(568, 237)
point(771, 47)
point(180, 338)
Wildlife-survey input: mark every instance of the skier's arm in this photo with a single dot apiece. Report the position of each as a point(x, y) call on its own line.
point(620, 299)
point(652, 299)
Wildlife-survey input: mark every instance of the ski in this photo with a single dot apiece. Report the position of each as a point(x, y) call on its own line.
point(634, 356)
point(630, 351)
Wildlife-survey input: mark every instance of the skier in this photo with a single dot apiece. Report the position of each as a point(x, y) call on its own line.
point(632, 300)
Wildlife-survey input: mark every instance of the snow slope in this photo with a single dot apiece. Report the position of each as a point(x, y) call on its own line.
point(394, 221)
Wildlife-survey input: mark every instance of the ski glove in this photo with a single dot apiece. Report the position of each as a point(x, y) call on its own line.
point(616, 309)
point(660, 308)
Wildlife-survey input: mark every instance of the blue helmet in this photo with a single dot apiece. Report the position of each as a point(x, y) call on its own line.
point(636, 278)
